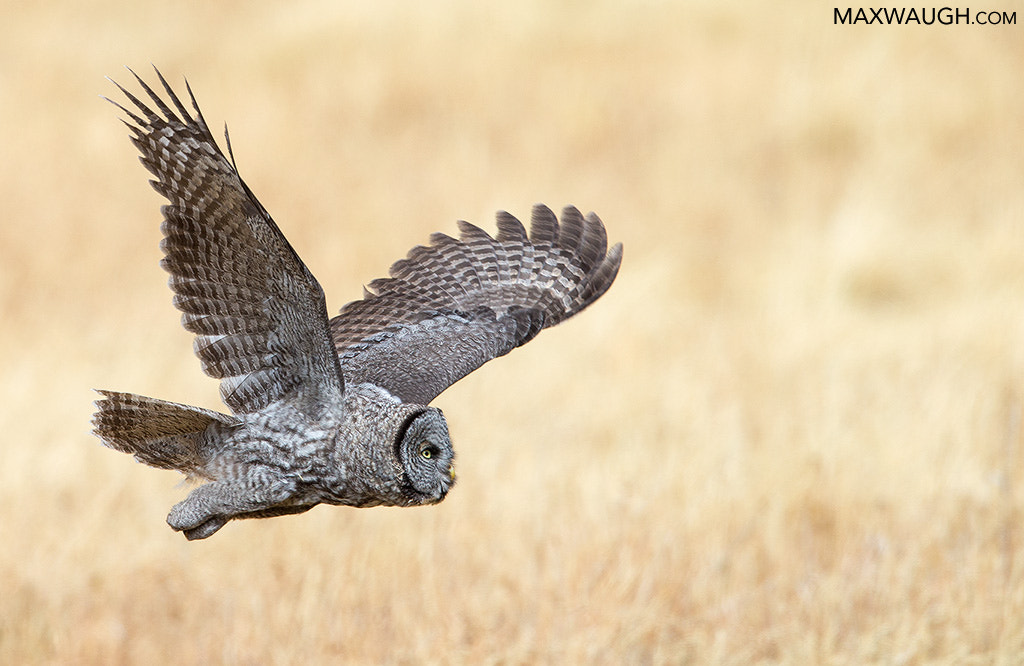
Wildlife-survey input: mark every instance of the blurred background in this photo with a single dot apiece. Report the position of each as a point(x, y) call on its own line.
point(790, 432)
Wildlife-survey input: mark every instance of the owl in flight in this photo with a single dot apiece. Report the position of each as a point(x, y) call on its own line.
point(326, 410)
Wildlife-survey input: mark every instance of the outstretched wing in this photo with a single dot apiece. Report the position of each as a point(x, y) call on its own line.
point(258, 313)
point(449, 308)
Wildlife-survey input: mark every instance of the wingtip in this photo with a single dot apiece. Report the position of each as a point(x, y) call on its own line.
point(133, 73)
point(509, 228)
point(614, 260)
point(541, 208)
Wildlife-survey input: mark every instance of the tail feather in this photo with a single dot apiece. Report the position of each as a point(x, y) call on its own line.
point(162, 434)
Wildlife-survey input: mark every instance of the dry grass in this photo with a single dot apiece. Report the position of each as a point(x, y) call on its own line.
point(791, 433)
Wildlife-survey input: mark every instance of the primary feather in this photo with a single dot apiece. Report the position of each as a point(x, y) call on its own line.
point(450, 307)
point(258, 313)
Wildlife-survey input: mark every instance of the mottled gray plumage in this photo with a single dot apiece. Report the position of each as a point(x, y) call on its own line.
point(327, 410)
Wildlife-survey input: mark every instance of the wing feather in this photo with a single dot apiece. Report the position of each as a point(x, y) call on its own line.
point(450, 307)
point(258, 313)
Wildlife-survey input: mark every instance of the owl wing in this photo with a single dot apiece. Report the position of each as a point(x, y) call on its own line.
point(450, 307)
point(259, 315)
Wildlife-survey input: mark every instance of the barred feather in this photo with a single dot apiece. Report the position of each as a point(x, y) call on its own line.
point(158, 433)
point(258, 313)
point(453, 305)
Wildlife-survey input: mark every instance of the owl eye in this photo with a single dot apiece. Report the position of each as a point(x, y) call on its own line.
point(428, 452)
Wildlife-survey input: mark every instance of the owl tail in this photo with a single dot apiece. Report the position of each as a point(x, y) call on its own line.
point(158, 433)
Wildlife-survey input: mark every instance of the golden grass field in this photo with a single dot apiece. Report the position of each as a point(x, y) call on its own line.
point(791, 433)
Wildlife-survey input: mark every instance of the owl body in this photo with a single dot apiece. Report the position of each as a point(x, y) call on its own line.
point(365, 450)
point(327, 410)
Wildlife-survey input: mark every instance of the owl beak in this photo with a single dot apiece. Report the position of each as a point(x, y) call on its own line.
point(451, 471)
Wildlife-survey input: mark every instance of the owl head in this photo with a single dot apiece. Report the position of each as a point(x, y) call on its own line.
point(425, 452)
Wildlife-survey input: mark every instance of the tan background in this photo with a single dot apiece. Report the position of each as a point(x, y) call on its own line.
point(790, 433)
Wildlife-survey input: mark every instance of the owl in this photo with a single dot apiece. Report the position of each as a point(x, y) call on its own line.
point(326, 410)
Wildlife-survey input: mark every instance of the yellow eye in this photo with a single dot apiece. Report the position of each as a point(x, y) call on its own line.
point(428, 452)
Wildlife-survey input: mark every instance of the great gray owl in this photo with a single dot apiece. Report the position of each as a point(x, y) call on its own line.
point(327, 410)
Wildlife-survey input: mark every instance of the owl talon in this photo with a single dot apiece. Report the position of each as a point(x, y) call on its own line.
point(186, 516)
point(205, 529)
point(194, 527)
